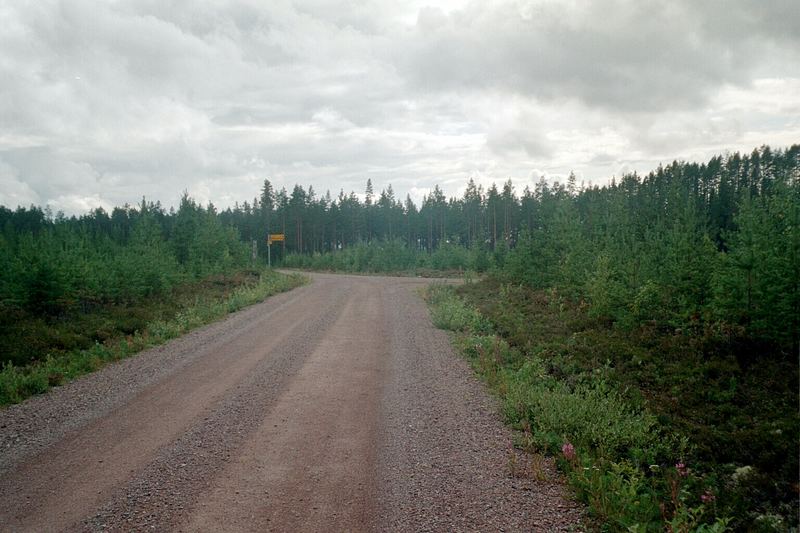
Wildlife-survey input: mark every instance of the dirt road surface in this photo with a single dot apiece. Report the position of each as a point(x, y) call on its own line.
point(334, 407)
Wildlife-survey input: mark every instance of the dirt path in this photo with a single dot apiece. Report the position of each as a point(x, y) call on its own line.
point(334, 407)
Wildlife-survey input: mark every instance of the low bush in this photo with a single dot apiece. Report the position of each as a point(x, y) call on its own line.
point(394, 256)
point(20, 382)
point(450, 313)
point(621, 461)
point(590, 413)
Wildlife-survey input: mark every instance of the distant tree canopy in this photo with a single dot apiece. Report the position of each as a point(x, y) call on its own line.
point(314, 223)
point(48, 265)
point(685, 244)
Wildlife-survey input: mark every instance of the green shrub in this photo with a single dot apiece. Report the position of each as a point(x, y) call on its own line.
point(394, 256)
point(20, 382)
point(451, 313)
point(618, 494)
point(619, 457)
point(592, 415)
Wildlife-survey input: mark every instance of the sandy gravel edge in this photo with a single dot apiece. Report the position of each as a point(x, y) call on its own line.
point(29, 427)
point(446, 449)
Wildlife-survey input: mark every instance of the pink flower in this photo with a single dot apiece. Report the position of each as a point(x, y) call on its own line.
point(569, 451)
point(707, 496)
point(682, 470)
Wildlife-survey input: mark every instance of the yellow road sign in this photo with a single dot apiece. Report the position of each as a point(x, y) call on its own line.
point(276, 237)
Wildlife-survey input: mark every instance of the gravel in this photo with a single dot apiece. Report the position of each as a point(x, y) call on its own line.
point(29, 427)
point(337, 405)
point(446, 452)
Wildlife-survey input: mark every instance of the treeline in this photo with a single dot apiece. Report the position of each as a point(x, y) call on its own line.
point(495, 216)
point(686, 245)
point(395, 256)
point(53, 265)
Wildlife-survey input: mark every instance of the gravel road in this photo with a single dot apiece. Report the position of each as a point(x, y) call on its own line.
point(334, 407)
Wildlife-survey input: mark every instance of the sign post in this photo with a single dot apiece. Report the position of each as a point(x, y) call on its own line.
point(273, 237)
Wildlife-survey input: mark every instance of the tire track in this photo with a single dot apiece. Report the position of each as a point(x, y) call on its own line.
point(65, 483)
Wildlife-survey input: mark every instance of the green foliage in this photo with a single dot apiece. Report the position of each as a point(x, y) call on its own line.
point(393, 257)
point(590, 413)
point(683, 247)
point(686, 247)
point(450, 313)
point(686, 384)
point(20, 382)
point(606, 291)
point(56, 273)
point(618, 494)
point(145, 267)
point(633, 403)
point(756, 284)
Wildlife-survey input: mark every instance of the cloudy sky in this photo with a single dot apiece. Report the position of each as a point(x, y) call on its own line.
point(102, 103)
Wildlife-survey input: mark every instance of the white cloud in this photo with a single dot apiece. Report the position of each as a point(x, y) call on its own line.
point(74, 203)
point(102, 104)
point(13, 191)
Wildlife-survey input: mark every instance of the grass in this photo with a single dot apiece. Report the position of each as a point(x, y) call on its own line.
point(655, 424)
point(112, 333)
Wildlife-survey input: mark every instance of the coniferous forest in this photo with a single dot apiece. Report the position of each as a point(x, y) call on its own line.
point(691, 273)
point(686, 243)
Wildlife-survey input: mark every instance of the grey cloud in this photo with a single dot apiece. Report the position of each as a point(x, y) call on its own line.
point(45, 178)
point(751, 21)
point(525, 138)
point(621, 55)
point(13, 190)
point(108, 102)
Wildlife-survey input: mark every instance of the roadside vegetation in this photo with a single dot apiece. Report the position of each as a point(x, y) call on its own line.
point(76, 293)
point(646, 334)
point(396, 258)
point(651, 433)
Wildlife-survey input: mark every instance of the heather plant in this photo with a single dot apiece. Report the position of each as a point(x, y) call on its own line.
point(19, 382)
point(592, 414)
point(614, 452)
point(450, 312)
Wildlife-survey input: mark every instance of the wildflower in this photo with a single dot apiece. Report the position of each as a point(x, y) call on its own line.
point(569, 451)
point(683, 471)
point(707, 496)
point(742, 473)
